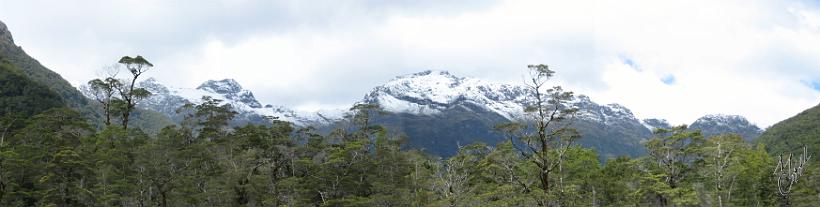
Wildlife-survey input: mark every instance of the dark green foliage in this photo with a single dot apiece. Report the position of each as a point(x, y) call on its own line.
point(56, 159)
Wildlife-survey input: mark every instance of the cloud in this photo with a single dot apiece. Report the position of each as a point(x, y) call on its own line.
point(674, 60)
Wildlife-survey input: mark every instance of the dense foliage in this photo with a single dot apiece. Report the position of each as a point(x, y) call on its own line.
point(57, 159)
point(22, 97)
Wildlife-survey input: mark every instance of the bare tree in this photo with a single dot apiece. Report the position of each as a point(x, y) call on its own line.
point(720, 161)
point(788, 173)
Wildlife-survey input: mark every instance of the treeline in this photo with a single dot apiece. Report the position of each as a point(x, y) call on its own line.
point(56, 158)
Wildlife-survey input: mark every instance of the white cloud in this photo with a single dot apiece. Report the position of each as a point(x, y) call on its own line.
point(751, 58)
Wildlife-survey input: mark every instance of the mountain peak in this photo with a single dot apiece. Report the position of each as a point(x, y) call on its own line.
point(224, 86)
point(653, 124)
point(429, 74)
point(620, 109)
point(231, 90)
point(716, 124)
point(154, 86)
point(722, 118)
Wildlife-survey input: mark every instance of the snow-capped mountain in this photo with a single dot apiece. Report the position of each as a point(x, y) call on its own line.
point(166, 100)
point(439, 111)
point(716, 124)
point(430, 92)
point(434, 99)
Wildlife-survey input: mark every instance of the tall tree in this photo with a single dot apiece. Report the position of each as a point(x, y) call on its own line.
point(130, 93)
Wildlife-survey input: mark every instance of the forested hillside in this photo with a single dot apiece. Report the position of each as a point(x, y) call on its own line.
point(793, 133)
point(22, 97)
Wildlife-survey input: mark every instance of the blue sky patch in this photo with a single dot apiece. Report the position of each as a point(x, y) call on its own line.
point(813, 84)
point(669, 80)
point(628, 61)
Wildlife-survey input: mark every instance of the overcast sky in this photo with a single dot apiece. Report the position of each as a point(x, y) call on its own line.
point(678, 61)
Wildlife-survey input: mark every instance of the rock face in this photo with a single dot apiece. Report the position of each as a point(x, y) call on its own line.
point(717, 124)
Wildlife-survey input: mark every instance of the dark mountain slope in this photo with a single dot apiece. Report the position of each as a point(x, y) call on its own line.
point(36, 71)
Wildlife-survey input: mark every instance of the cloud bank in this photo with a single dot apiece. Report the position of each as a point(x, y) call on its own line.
point(670, 60)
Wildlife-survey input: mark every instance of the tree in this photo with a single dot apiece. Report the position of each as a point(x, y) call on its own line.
point(103, 91)
point(721, 162)
point(755, 184)
point(213, 118)
point(131, 94)
point(551, 115)
point(619, 180)
point(42, 163)
point(674, 154)
point(788, 173)
point(456, 177)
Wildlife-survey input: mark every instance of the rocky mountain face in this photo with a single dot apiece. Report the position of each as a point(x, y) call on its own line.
point(439, 111)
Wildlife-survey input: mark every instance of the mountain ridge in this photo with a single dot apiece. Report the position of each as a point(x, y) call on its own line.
point(438, 111)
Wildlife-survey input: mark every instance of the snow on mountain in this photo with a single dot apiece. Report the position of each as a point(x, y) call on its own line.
point(653, 124)
point(430, 92)
point(167, 100)
point(716, 124)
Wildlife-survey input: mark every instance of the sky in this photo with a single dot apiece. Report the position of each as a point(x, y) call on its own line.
point(673, 60)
